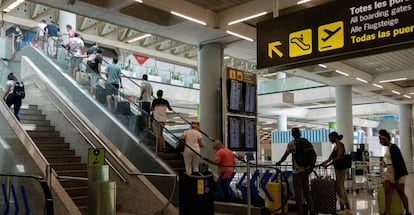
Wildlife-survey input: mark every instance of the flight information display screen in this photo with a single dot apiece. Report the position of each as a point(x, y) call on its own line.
point(235, 95)
point(235, 126)
point(250, 99)
point(250, 134)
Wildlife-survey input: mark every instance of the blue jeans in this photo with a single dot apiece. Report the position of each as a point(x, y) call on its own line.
point(16, 102)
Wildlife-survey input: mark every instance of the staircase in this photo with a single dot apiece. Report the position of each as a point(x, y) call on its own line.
point(58, 153)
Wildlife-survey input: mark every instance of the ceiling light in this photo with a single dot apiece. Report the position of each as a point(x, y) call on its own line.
point(13, 5)
point(342, 73)
point(406, 96)
point(189, 18)
point(140, 1)
point(396, 92)
point(247, 18)
point(139, 38)
point(241, 36)
point(392, 80)
point(226, 57)
point(377, 85)
point(361, 80)
point(323, 66)
point(303, 1)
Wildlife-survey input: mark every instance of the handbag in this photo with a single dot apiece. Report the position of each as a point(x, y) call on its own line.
point(344, 163)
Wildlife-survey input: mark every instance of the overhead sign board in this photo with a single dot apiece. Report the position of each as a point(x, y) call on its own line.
point(336, 30)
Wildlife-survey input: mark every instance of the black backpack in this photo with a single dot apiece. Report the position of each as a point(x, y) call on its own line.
point(305, 155)
point(18, 90)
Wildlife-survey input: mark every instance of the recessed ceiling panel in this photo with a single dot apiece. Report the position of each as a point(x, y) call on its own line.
point(98, 3)
point(218, 5)
point(150, 14)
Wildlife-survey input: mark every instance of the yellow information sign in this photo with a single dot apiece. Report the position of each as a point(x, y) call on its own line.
point(300, 43)
point(96, 157)
point(331, 36)
point(232, 74)
point(200, 186)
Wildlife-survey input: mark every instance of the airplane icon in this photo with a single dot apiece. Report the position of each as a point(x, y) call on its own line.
point(330, 33)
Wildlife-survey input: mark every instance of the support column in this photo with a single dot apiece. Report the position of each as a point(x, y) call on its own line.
point(66, 18)
point(282, 122)
point(344, 115)
point(370, 132)
point(404, 124)
point(210, 68)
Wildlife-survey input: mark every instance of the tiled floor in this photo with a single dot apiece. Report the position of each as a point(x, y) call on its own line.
point(365, 203)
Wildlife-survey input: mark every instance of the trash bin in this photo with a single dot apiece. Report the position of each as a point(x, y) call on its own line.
point(196, 194)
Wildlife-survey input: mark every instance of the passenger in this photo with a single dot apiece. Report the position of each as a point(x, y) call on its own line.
point(145, 97)
point(340, 173)
point(192, 139)
point(18, 36)
point(10, 98)
point(396, 172)
point(76, 47)
point(52, 32)
point(70, 31)
point(113, 75)
point(249, 156)
point(159, 108)
point(95, 71)
point(226, 163)
point(41, 34)
point(300, 177)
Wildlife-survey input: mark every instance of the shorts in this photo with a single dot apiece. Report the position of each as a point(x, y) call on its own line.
point(74, 62)
point(390, 176)
point(158, 127)
point(94, 77)
point(112, 89)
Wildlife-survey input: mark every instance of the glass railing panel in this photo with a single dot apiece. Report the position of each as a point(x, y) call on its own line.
point(285, 84)
point(22, 194)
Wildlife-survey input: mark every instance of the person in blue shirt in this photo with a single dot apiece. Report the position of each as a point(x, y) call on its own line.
point(113, 75)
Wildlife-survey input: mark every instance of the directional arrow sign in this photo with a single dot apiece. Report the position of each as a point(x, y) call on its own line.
point(272, 48)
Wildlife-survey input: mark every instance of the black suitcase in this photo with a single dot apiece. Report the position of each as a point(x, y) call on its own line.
point(123, 108)
point(100, 94)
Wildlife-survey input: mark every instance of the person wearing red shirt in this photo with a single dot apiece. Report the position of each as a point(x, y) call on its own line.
point(225, 162)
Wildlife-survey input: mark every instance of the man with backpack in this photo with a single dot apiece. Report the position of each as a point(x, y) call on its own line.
point(303, 159)
point(14, 94)
point(94, 69)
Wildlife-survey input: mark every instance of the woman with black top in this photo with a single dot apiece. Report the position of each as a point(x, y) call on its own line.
point(8, 95)
point(340, 173)
point(396, 172)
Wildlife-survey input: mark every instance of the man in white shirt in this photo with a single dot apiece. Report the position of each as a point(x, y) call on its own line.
point(159, 107)
point(76, 49)
point(146, 94)
point(41, 34)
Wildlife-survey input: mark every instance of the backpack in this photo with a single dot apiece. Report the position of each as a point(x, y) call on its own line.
point(305, 155)
point(92, 60)
point(18, 90)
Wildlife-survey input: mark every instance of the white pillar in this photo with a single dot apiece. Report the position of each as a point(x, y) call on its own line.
point(344, 123)
point(370, 132)
point(282, 122)
point(66, 18)
point(404, 124)
point(210, 61)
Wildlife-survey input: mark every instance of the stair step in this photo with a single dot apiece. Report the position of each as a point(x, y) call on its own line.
point(42, 146)
point(77, 191)
point(36, 122)
point(73, 183)
point(33, 127)
point(30, 112)
point(63, 159)
point(73, 173)
point(29, 107)
point(32, 117)
point(48, 139)
point(175, 163)
point(80, 201)
point(69, 166)
point(58, 152)
point(43, 133)
point(170, 156)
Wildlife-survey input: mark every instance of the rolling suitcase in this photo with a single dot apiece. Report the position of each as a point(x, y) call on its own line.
point(323, 194)
point(124, 108)
point(101, 94)
point(397, 206)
